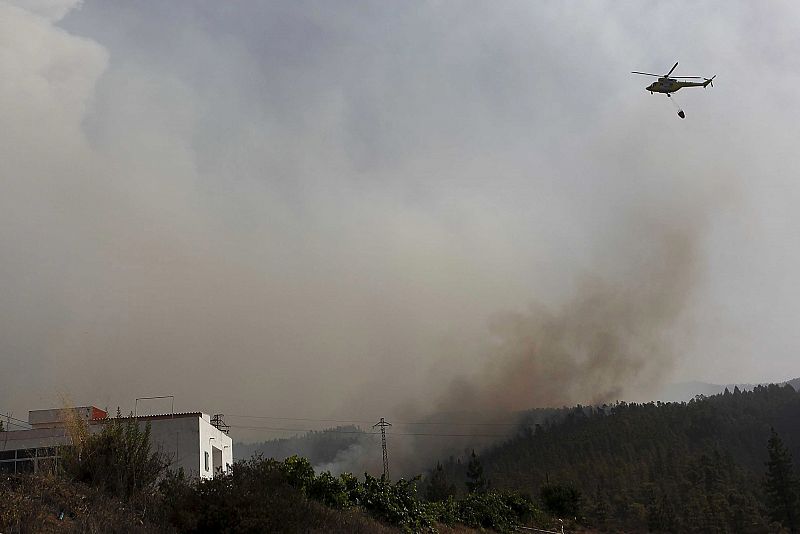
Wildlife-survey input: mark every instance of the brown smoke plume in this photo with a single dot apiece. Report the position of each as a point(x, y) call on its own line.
point(615, 338)
point(612, 338)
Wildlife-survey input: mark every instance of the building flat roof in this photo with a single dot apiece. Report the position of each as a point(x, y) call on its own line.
point(8, 438)
point(58, 416)
point(172, 415)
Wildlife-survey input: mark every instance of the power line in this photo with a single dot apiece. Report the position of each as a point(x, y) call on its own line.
point(300, 419)
point(419, 434)
point(244, 427)
point(11, 421)
point(453, 423)
point(24, 427)
point(8, 416)
point(352, 421)
point(383, 423)
point(357, 421)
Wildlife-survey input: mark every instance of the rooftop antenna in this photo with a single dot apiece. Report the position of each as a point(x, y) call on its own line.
point(218, 422)
point(383, 424)
point(136, 404)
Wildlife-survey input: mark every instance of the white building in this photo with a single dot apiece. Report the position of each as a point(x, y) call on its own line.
point(193, 441)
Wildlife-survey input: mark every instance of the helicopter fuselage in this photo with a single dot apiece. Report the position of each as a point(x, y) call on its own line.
point(670, 85)
point(664, 85)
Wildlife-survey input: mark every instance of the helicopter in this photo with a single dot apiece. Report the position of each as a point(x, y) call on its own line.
point(669, 84)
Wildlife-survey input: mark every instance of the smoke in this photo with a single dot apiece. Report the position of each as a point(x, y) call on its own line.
point(312, 210)
point(352, 459)
point(611, 340)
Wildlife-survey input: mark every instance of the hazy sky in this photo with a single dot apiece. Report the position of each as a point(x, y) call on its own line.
point(326, 208)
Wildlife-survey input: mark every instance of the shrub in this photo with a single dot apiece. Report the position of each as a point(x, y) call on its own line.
point(330, 491)
point(117, 460)
point(446, 512)
point(561, 500)
point(486, 510)
point(298, 470)
point(254, 490)
point(396, 503)
point(261, 496)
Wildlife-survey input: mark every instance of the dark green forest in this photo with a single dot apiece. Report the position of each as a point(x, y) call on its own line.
point(723, 463)
point(697, 466)
point(661, 467)
point(319, 447)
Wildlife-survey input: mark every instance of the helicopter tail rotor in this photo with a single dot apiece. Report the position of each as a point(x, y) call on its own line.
point(709, 81)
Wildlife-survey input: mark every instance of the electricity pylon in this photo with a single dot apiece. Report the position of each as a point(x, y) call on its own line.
point(383, 424)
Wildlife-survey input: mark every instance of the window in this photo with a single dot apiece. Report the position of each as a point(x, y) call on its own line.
point(216, 460)
point(25, 466)
point(206, 460)
point(46, 452)
point(47, 465)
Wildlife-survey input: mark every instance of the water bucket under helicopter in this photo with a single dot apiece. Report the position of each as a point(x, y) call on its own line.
point(681, 114)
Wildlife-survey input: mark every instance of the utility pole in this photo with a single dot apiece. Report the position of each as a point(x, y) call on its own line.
point(383, 424)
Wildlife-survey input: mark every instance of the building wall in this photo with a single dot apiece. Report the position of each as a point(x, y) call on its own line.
point(24, 451)
point(57, 416)
point(178, 439)
point(183, 438)
point(212, 438)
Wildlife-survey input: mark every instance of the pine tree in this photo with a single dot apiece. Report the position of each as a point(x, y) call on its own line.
point(781, 485)
point(475, 481)
point(439, 488)
point(661, 516)
point(560, 499)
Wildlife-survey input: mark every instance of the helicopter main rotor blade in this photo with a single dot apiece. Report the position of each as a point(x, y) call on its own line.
point(688, 78)
point(646, 73)
point(673, 68)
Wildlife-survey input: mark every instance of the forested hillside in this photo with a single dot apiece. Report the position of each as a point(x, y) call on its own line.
point(672, 467)
point(685, 391)
point(319, 447)
point(326, 447)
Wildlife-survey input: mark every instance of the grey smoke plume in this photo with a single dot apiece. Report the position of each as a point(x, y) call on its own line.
point(612, 339)
point(310, 209)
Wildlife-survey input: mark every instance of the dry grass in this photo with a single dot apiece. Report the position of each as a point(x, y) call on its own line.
point(49, 504)
point(457, 529)
point(45, 504)
point(323, 520)
point(76, 427)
